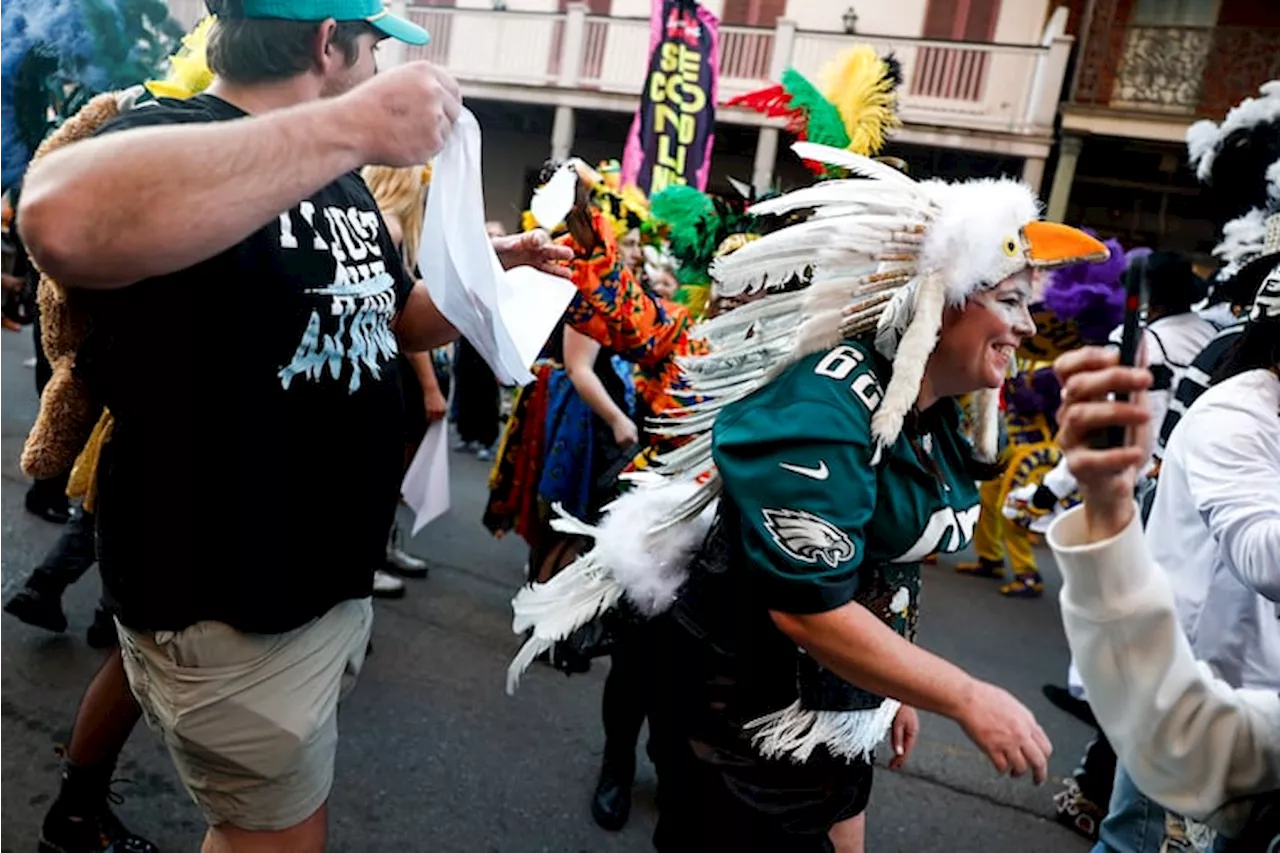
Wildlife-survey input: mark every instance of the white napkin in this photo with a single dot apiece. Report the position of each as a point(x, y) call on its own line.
point(507, 316)
point(426, 484)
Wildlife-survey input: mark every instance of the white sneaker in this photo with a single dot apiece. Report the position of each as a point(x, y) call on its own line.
point(387, 585)
point(405, 564)
point(400, 561)
point(485, 454)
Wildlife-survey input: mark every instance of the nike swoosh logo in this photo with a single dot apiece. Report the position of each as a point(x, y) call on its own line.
point(819, 473)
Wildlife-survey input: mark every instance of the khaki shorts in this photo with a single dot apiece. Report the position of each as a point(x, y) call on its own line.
point(250, 719)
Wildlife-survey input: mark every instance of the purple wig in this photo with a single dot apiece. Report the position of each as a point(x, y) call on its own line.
point(1036, 393)
point(1090, 294)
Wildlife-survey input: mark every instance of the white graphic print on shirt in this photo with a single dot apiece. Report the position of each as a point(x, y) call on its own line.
point(361, 300)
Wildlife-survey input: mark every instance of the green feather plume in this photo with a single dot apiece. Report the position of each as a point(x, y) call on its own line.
point(825, 125)
point(691, 220)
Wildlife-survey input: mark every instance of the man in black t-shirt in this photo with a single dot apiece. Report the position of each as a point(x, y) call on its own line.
point(247, 307)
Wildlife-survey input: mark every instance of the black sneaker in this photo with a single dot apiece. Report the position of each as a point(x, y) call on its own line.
point(62, 833)
point(102, 633)
point(55, 510)
point(38, 607)
point(611, 800)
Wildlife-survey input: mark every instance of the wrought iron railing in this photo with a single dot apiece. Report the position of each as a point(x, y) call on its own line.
point(1175, 69)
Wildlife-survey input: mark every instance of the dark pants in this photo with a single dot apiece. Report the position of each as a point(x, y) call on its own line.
point(476, 393)
point(629, 692)
point(1097, 771)
point(719, 793)
point(71, 556)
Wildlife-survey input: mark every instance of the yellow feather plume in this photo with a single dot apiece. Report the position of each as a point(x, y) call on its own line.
point(860, 85)
point(189, 73)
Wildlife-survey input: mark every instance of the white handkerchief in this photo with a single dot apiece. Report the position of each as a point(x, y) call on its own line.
point(501, 314)
point(553, 201)
point(426, 484)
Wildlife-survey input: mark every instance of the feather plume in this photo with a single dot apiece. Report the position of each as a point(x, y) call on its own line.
point(879, 198)
point(773, 260)
point(1242, 240)
point(1090, 295)
point(555, 609)
point(189, 72)
point(1201, 137)
point(823, 123)
point(913, 352)
point(860, 85)
point(773, 101)
point(856, 164)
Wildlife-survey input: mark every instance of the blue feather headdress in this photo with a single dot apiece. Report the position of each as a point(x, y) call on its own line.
point(58, 54)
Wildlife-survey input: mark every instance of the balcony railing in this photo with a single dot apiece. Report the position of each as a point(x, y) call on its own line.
point(1175, 69)
point(960, 84)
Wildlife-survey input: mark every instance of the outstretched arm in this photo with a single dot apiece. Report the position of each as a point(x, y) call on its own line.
point(854, 644)
point(122, 207)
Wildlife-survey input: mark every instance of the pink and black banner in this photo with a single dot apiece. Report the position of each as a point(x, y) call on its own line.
point(674, 129)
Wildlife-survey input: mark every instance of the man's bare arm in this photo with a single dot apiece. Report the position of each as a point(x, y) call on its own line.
point(113, 210)
point(110, 211)
point(420, 326)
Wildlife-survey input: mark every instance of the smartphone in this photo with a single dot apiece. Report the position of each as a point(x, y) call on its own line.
point(1134, 304)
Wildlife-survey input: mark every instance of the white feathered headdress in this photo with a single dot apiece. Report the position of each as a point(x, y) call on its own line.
point(878, 251)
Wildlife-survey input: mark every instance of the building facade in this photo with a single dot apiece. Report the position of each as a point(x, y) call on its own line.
point(982, 79)
point(1144, 70)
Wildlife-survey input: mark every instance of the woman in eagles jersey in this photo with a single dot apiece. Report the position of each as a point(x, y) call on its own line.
point(828, 427)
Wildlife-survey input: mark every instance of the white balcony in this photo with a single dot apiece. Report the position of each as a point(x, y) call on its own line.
point(1003, 88)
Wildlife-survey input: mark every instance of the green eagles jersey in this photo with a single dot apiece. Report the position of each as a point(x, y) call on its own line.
point(820, 519)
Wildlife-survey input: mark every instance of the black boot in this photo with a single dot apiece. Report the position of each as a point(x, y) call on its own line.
point(102, 633)
point(47, 499)
point(39, 603)
point(611, 802)
point(81, 821)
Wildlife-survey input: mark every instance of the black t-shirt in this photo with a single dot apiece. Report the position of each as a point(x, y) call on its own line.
point(257, 453)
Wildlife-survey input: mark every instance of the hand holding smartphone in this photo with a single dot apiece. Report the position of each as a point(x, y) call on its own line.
point(1131, 337)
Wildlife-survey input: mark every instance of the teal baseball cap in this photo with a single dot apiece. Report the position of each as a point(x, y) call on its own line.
point(373, 12)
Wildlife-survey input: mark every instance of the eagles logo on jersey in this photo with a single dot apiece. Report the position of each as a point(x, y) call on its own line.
point(807, 537)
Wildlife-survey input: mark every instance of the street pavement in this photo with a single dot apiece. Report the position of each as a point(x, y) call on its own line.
point(435, 757)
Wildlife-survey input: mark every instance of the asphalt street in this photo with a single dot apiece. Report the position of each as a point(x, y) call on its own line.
point(435, 757)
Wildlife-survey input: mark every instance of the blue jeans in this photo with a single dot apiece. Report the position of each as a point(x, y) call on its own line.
point(1134, 824)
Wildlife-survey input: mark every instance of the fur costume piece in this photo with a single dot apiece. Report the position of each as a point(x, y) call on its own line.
point(68, 412)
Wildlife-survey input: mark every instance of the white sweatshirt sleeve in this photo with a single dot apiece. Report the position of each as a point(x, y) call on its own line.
point(1232, 471)
point(1189, 741)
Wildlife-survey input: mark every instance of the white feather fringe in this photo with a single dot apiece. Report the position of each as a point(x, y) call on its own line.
point(639, 552)
point(909, 361)
point(557, 608)
point(795, 733)
point(857, 164)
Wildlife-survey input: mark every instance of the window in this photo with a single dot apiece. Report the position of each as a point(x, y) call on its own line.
point(962, 20)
